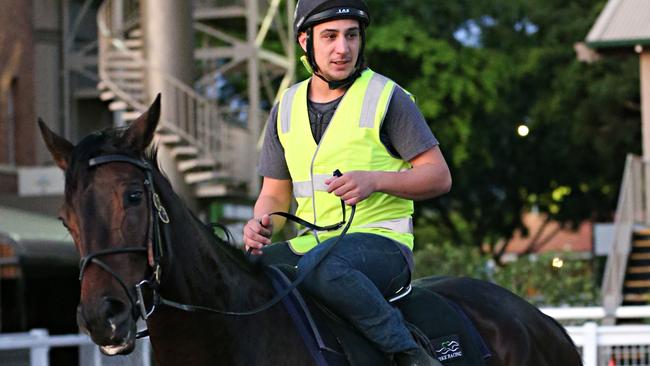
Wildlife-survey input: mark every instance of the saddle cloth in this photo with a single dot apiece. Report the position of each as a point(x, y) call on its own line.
point(334, 342)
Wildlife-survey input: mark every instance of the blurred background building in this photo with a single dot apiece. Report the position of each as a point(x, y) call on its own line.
point(85, 65)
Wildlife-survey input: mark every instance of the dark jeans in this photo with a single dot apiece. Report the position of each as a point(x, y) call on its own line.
point(354, 280)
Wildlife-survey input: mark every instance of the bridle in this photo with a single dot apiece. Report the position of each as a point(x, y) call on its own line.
point(158, 228)
point(158, 218)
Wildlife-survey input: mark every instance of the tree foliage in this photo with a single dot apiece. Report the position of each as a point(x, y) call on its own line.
point(533, 277)
point(480, 69)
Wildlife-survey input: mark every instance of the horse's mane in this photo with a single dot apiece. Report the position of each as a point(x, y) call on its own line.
point(111, 141)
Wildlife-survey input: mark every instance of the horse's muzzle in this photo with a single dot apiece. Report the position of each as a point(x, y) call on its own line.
point(110, 324)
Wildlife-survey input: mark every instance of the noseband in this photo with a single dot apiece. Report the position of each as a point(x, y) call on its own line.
point(158, 216)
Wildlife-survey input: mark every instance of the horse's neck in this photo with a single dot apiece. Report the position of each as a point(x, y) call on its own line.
point(199, 272)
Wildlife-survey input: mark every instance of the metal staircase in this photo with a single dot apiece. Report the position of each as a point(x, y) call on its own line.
point(636, 287)
point(627, 272)
point(205, 134)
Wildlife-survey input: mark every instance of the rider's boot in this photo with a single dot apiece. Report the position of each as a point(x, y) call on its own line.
point(415, 357)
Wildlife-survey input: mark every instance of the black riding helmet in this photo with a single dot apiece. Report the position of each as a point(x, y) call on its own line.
point(312, 12)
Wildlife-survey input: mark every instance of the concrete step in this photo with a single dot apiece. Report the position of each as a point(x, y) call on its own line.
point(129, 116)
point(638, 269)
point(107, 95)
point(211, 190)
point(196, 164)
point(134, 43)
point(124, 64)
point(644, 243)
point(637, 298)
point(135, 33)
point(640, 256)
point(118, 105)
point(184, 152)
point(169, 138)
point(128, 75)
point(201, 177)
point(638, 284)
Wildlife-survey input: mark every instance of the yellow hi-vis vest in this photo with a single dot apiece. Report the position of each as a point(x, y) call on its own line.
point(350, 142)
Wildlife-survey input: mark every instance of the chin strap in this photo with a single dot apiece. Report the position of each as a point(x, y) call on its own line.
point(337, 84)
point(332, 84)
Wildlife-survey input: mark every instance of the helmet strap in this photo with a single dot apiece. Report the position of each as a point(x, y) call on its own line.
point(337, 84)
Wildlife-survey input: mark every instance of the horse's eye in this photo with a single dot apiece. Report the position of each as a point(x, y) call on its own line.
point(135, 196)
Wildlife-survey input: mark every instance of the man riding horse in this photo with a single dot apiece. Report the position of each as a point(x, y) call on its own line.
point(347, 117)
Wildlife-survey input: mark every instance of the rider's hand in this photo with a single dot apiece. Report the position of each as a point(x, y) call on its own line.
point(257, 233)
point(352, 187)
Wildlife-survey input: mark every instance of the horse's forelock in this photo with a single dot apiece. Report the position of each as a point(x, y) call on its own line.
point(104, 142)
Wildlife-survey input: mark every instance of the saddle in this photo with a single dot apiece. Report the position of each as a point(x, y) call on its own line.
point(437, 323)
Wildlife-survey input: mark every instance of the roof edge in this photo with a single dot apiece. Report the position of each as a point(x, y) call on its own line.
point(618, 43)
point(603, 20)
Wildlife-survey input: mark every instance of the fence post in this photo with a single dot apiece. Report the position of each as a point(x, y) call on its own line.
point(590, 346)
point(39, 355)
point(146, 352)
point(97, 356)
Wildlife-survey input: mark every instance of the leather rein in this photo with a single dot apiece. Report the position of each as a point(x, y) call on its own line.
point(157, 233)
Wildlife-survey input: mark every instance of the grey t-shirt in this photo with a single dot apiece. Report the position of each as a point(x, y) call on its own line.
point(404, 132)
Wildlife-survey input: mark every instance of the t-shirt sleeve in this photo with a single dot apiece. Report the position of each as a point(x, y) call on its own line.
point(404, 131)
point(272, 163)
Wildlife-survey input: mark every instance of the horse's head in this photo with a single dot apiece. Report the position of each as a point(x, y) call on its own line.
point(107, 210)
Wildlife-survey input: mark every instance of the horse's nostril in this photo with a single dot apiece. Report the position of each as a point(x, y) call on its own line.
point(112, 308)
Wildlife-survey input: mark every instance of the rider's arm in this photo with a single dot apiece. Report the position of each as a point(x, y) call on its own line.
point(429, 177)
point(274, 196)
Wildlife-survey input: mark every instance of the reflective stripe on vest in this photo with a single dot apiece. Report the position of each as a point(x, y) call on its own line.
point(350, 142)
point(304, 190)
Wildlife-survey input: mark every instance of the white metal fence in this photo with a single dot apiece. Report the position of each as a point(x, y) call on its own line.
point(33, 349)
point(620, 345)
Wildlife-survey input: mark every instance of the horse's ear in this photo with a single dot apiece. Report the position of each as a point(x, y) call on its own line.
point(140, 132)
point(59, 147)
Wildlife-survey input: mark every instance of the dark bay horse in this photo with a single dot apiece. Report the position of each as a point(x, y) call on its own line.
point(118, 206)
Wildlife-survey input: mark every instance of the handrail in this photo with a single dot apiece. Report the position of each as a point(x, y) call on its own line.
point(194, 118)
point(596, 312)
point(38, 343)
point(627, 215)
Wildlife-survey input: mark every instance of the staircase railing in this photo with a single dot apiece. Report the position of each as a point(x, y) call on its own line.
point(185, 113)
point(630, 211)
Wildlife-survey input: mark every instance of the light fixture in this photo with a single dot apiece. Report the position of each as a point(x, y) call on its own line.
point(557, 262)
point(523, 130)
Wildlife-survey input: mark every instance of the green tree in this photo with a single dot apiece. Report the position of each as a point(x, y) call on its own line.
point(479, 69)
